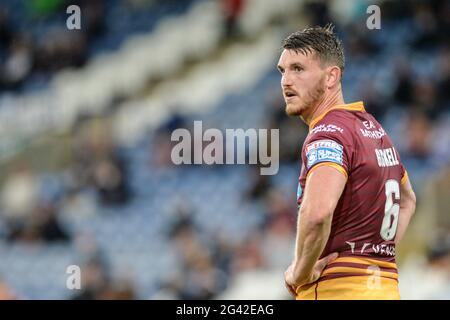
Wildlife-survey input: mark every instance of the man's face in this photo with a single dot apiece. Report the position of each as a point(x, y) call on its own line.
point(302, 81)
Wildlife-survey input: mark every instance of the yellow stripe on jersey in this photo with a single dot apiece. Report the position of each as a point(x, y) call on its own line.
point(404, 178)
point(366, 261)
point(330, 164)
point(355, 106)
point(365, 271)
point(351, 288)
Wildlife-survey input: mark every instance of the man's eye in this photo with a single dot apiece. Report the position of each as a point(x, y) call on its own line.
point(298, 69)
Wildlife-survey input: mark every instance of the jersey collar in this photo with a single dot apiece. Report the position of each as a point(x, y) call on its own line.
point(354, 106)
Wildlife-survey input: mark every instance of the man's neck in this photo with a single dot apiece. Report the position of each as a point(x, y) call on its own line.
point(334, 99)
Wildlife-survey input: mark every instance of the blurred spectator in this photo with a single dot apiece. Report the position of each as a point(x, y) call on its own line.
point(426, 24)
point(232, 10)
point(110, 180)
point(162, 148)
point(425, 96)
point(60, 49)
point(291, 132)
point(181, 219)
point(440, 192)
point(78, 204)
point(19, 62)
point(95, 267)
point(169, 288)
point(403, 92)
point(260, 185)
point(278, 206)
point(118, 289)
point(94, 281)
point(56, 48)
point(222, 253)
point(359, 45)
point(443, 76)
point(279, 235)
point(99, 164)
point(433, 271)
point(248, 255)
point(374, 101)
point(94, 18)
point(318, 12)
point(162, 144)
point(6, 32)
point(418, 136)
point(19, 194)
point(201, 278)
point(41, 226)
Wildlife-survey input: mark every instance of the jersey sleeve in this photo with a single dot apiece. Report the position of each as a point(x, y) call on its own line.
point(330, 144)
point(404, 173)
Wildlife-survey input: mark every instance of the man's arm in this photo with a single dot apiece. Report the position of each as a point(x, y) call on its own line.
point(407, 208)
point(324, 186)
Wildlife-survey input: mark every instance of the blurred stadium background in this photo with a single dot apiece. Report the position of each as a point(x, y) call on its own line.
point(85, 123)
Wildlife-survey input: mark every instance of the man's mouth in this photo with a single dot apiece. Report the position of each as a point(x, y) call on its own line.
point(289, 94)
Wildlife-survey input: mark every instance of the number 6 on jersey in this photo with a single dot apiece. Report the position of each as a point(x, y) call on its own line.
point(391, 209)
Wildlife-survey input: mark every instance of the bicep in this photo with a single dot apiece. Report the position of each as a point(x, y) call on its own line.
point(407, 192)
point(323, 189)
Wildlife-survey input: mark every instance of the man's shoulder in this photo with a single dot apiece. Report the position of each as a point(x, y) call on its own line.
point(342, 116)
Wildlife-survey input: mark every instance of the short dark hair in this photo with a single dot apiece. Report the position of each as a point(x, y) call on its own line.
point(320, 40)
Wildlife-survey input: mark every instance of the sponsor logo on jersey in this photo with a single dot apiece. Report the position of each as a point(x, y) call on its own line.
point(369, 125)
point(324, 151)
point(367, 247)
point(371, 131)
point(327, 128)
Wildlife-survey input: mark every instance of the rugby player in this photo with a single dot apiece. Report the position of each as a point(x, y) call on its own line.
point(354, 197)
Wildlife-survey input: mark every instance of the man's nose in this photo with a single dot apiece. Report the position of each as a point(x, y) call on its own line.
point(286, 80)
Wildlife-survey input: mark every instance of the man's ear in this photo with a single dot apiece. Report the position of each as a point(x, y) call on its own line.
point(333, 76)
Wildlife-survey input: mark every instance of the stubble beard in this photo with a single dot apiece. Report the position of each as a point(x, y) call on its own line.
point(311, 99)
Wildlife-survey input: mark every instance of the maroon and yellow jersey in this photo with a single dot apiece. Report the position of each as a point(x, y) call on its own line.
point(365, 220)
